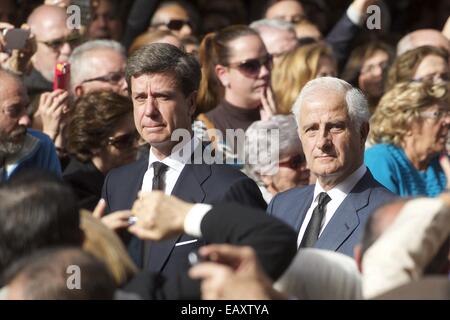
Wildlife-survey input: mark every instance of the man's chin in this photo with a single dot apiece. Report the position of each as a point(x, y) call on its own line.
point(10, 148)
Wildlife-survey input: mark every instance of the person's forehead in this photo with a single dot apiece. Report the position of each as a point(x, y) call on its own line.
point(51, 29)
point(106, 56)
point(324, 102)
point(154, 82)
point(285, 8)
point(12, 92)
point(171, 12)
point(246, 47)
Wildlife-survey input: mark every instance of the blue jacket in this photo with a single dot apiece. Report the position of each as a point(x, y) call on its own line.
point(38, 152)
point(346, 226)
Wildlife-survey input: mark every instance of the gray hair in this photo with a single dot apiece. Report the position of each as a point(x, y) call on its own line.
point(165, 58)
point(258, 142)
point(272, 24)
point(78, 60)
point(356, 102)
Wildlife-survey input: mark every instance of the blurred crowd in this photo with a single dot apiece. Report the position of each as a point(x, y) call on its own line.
point(174, 149)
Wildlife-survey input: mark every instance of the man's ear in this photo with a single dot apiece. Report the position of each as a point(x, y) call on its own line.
point(79, 91)
point(358, 257)
point(364, 131)
point(192, 102)
point(222, 74)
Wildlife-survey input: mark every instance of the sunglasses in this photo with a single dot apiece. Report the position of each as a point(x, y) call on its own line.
point(113, 78)
point(251, 67)
point(294, 162)
point(174, 24)
point(125, 141)
point(72, 39)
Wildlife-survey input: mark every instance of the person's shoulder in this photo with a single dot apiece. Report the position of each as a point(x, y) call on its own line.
point(294, 193)
point(129, 169)
point(378, 190)
point(45, 139)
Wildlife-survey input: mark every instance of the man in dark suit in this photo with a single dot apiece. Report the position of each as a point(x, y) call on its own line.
point(160, 216)
point(163, 82)
point(332, 119)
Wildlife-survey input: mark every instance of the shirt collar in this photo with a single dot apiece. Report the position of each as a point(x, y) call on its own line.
point(343, 188)
point(177, 159)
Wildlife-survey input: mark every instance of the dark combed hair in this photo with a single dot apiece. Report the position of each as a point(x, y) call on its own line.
point(215, 50)
point(44, 275)
point(37, 210)
point(163, 58)
point(94, 118)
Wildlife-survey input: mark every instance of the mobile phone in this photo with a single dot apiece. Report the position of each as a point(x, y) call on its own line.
point(62, 76)
point(15, 38)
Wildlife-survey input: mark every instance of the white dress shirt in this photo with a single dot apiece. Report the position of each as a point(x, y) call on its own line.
point(337, 195)
point(175, 162)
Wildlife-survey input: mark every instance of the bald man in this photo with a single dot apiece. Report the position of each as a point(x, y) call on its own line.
point(422, 37)
point(55, 42)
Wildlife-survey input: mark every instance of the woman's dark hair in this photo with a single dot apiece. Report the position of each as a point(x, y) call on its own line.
point(37, 211)
point(94, 118)
point(214, 50)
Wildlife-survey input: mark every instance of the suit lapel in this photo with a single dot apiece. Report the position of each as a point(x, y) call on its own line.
point(135, 245)
point(303, 208)
point(345, 220)
point(189, 188)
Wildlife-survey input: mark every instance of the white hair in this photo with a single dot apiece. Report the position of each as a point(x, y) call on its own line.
point(277, 24)
point(257, 143)
point(79, 63)
point(356, 102)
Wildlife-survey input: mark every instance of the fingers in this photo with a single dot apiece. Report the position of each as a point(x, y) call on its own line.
point(144, 233)
point(206, 270)
point(117, 220)
point(99, 210)
point(228, 254)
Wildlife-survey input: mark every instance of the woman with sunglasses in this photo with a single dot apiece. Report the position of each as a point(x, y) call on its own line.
point(100, 136)
point(235, 87)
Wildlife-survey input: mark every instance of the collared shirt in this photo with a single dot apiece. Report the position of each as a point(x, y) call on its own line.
point(337, 195)
point(175, 162)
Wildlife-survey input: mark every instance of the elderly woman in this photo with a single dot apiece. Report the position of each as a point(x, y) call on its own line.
point(275, 171)
point(100, 136)
point(409, 128)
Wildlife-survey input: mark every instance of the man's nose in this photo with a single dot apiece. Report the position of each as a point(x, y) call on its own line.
point(25, 120)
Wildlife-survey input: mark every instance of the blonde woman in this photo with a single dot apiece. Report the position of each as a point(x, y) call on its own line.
point(298, 67)
point(409, 129)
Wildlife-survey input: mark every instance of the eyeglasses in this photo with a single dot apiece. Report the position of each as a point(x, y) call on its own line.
point(72, 39)
point(294, 162)
point(434, 77)
point(125, 141)
point(112, 77)
point(251, 67)
point(174, 24)
point(435, 115)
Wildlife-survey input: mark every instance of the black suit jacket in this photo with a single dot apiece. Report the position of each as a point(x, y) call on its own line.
point(197, 183)
point(274, 242)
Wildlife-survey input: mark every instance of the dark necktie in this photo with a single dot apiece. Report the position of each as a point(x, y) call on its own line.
point(312, 231)
point(159, 169)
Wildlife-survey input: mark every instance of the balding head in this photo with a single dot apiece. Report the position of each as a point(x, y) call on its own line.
point(423, 37)
point(48, 24)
